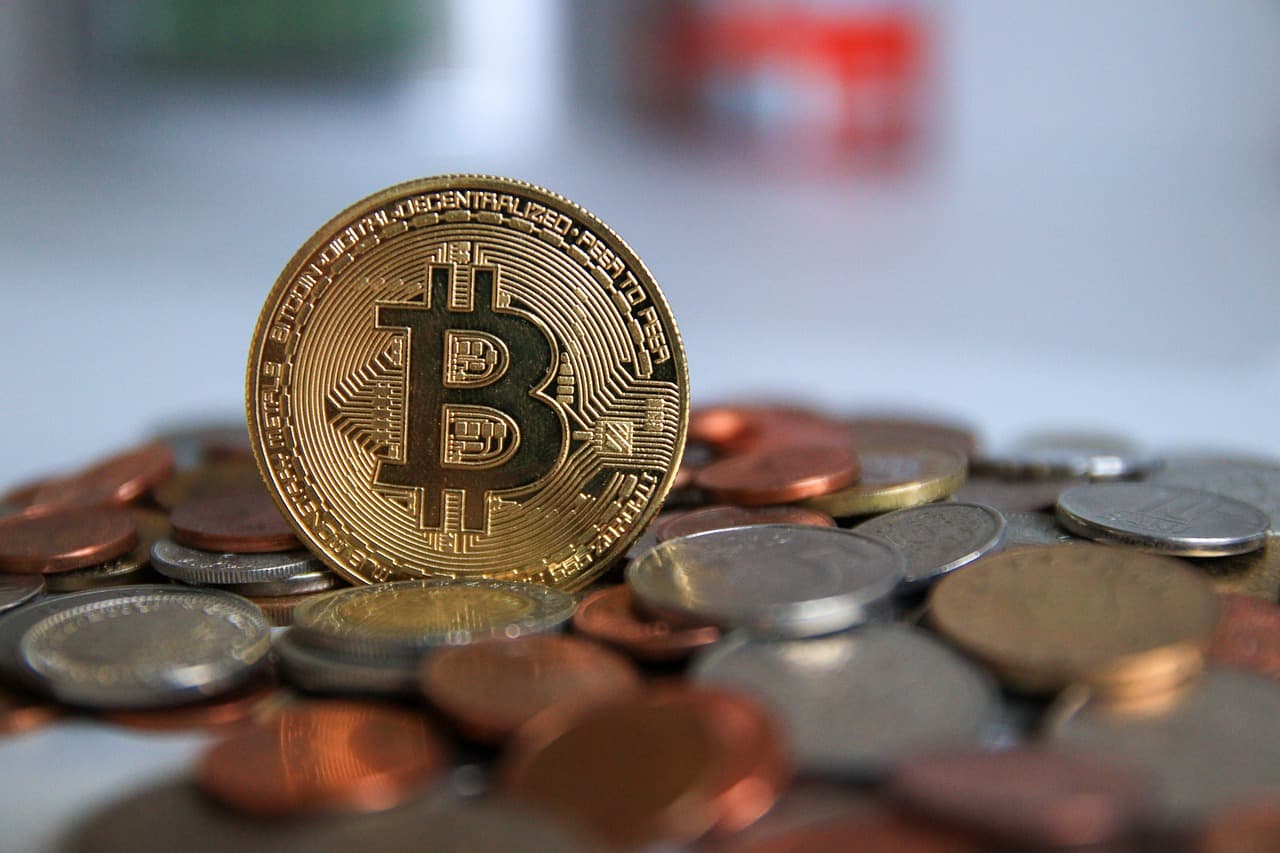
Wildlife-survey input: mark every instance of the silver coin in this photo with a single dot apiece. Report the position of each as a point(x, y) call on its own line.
point(192, 565)
point(142, 648)
point(938, 538)
point(1099, 456)
point(324, 671)
point(1014, 494)
point(771, 579)
point(855, 703)
point(19, 589)
point(304, 582)
point(1217, 747)
point(1164, 519)
point(407, 618)
point(1254, 481)
point(1034, 528)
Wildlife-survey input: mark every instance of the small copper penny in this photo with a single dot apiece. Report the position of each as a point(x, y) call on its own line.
point(1025, 796)
point(20, 712)
point(724, 517)
point(607, 615)
point(1247, 635)
point(779, 476)
point(1251, 827)
point(133, 567)
point(208, 480)
point(241, 705)
point(116, 480)
point(62, 539)
point(773, 427)
point(490, 689)
point(243, 523)
point(627, 773)
point(716, 425)
point(324, 756)
point(880, 832)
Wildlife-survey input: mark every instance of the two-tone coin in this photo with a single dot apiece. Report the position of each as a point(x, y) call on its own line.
point(938, 538)
point(895, 478)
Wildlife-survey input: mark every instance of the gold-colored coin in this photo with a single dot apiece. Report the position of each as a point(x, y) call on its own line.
point(895, 478)
point(1121, 621)
point(1256, 573)
point(467, 377)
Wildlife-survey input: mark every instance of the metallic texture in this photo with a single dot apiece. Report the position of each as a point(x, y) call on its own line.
point(938, 538)
point(1049, 455)
point(323, 671)
point(302, 583)
point(1034, 528)
point(467, 377)
point(1254, 481)
point(895, 478)
point(194, 566)
point(17, 590)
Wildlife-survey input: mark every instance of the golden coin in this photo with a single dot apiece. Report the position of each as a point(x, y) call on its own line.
point(1046, 616)
point(895, 478)
point(467, 377)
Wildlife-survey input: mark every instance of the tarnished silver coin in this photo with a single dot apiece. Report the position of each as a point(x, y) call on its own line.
point(407, 618)
point(1218, 745)
point(325, 671)
point(770, 579)
point(19, 589)
point(144, 647)
point(1034, 528)
point(299, 584)
point(938, 538)
point(1254, 481)
point(1186, 522)
point(854, 703)
point(191, 565)
point(1099, 456)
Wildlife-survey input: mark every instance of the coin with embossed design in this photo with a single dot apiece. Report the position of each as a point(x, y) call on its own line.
point(467, 377)
point(938, 538)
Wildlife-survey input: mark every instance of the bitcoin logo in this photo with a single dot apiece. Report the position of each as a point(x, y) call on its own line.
point(455, 441)
point(467, 377)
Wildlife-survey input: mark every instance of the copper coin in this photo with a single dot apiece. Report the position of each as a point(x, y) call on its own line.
point(881, 430)
point(133, 567)
point(877, 831)
point(716, 425)
point(63, 539)
point(773, 427)
point(779, 476)
point(1252, 827)
point(244, 523)
point(116, 480)
point(627, 773)
point(490, 689)
point(246, 703)
point(208, 480)
point(324, 756)
point(607, 615)
point(1025, 796)
point(724, 517)
point(23, 494)
point(21, 712)
point(752, 769)
point(1247, 635)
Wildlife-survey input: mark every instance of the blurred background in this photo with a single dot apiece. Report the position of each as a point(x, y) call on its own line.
point(1022, 215)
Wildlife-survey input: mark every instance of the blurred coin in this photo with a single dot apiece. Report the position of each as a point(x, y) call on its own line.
point(1034, 528)
point(1168, 520)
point(938, 538)
point(490, 689)
point(723, 517)
point(1256, 573)
point(208, 480)
point(607, 615)
point(1027, 797)
point(143, 647)
point(879, 831)
point(1100, 456)
point(778, 475)
point(895, 479)
point(1254, 481)
point(279, 608)
point(324, 756)
point(14, 624)
point(197, 441)
point(1014, 495)
point(1248, 827)
point(856, 703)
point(133, 567)
point(21, 711)
point(300, 584)
point(19, 589)
point(63, 539)
point(776, 426)
point(328, 672)
point(1044, 617)
point(902, 431)
point(1217, 747)
point(245, 523)
point(409, 617)
point(258, 697)
point(119, 479)
point(779, 580)
point(717, 425)
point(1247, 635)
point(197, 566)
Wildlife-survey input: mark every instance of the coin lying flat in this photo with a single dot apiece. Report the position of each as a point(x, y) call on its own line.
point(938, 538)
point(779, 475)
point(196, 566)
point(1034, 528)
point(1254, 481)
point(18, 589)
point(1256, 573)
point(327, 672)
point(1099, 456)
point(607, 615)
point(63, 539)
point(133, 567)
point(14, 624)
point(1186, 522)
point(246, 523)
point(771, 579)
point(855, 703)
point(1009, 494)
point(409, 617)
point(302, 583)
point(895, 478)
point(723, 517)
point(1044, 617)
point(146, 646)
point(467, 377)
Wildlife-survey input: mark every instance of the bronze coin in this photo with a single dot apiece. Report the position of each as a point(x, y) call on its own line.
point(724, 517)
point(241, 705)
point(607, 615)
point(779, 476)
point(62, 539)
point(490, 689)
point(244, 523)
point(627, 773)
point(773, 427)
point(133, 567)
point(1247, 635)
point(209, 480)
point(1025, 796)
point(874, 831)
point(1252, 827)
point(882, 430)
point(21, 712)
point(116, 480)
point(324, 756)
point(716, 425)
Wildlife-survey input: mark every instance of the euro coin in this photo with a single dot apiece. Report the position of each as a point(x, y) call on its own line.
point(467, 377)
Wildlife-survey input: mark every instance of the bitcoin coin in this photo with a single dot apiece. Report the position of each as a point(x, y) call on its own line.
point(467, 377)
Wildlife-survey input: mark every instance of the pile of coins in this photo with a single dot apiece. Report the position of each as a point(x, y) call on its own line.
point(830, 639)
